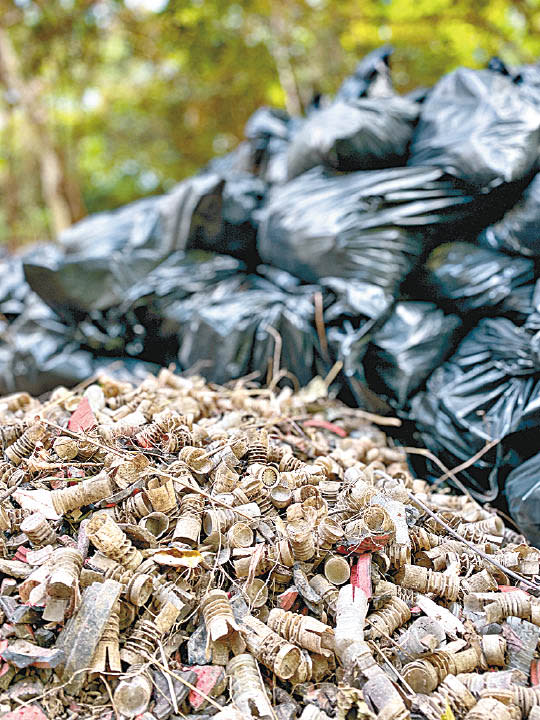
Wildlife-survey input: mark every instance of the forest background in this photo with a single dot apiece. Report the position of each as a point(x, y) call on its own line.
point(103, 102)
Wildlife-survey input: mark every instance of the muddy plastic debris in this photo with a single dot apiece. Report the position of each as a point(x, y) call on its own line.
point(192, 550)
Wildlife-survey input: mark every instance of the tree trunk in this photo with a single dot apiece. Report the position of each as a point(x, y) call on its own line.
point(280, 53)
point(52, 171)
point(10, 189)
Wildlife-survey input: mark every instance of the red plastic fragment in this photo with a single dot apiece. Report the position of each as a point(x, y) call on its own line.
point(287, 599)
point(21, 553)
point(29, 628)
point(207, 678)
point(361, 574)
point(367, 544)
point(535, 673)
point(83, 418)
point(30, 712)
point(314, 422)
point(511, 588)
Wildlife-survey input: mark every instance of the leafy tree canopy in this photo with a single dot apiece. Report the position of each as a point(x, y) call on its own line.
point(104, 101)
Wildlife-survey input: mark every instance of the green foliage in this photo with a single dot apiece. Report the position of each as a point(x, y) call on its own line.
point(136, 99)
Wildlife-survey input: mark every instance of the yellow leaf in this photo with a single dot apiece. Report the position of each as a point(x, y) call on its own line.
point(175, 557)
point(447, 714)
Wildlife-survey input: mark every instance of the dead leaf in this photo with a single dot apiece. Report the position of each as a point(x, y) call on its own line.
point(176, 557)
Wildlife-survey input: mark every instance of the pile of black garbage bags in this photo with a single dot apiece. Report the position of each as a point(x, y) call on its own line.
point(398, 236)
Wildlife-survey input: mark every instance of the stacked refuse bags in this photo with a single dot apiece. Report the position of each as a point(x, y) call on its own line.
point(398, 237)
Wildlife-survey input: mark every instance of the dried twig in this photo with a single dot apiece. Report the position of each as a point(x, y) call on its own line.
point(483, 555)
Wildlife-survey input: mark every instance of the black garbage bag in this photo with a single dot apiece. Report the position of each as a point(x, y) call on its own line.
point(355, 301)
point(466, 278)
point(268, 132)
point(178, 277)
point(479, 126)
point(14, 289)
point(496, 64)
point(415, 339)
point(488, 390)
point(252, 330)
point(111, 333)
point(363, 135)
point(224, 219)
point(369, 226)
point(352, 310)
point(348, 344)
point(519, 230)
point(532, 324)
point(528, 76)
point(193, 212)
point(144, 324)
point(236, 161)
point(39, 352)
point(160, 302)
point(418, 95)
point(371, 77)
point(522, 491)
point(100, 258)
point(233, 209)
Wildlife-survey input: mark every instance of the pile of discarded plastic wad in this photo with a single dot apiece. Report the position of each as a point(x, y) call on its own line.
point(175, 549)
point(393, 238)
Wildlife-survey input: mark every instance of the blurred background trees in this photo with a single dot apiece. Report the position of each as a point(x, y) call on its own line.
point(104, 101)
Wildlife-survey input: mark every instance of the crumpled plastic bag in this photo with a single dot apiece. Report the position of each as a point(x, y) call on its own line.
point(363, 135)
point(143, 324)
point(225, 220)
point(479, 126)
point(39, 352)
point(237, 161)
point(522, 490)
point(371, 77)
point(354, 301)
point(259, 329)
point(268, 132)
point(100, 258)
point(465, 278)
point(348, 343)
point(14, 289)
point(527, 76)
point(368, 226)
point(414, 340)
point(488, 390)
point(519, 230)
point(162, 302)
point(352, 310)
